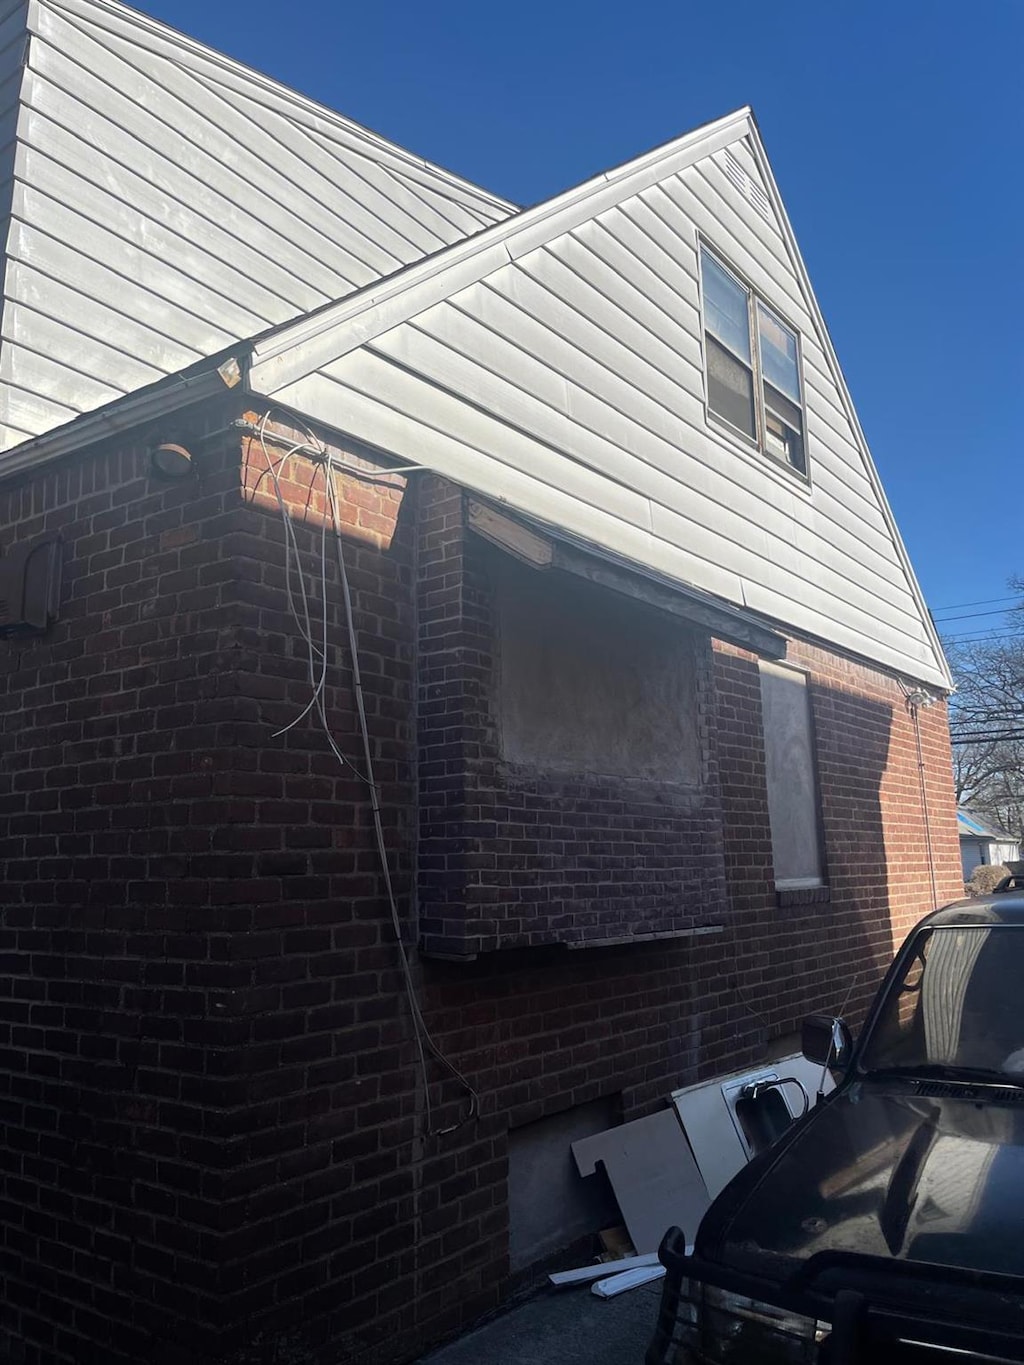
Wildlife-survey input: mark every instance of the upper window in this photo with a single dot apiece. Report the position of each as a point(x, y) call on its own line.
point(753, 366)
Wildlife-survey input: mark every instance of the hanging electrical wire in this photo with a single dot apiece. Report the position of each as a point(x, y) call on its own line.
point(318, 656)
point(303, 622)
point(423, 1036)
point(989, 634)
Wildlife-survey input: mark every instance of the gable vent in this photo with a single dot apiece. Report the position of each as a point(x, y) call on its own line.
point(30, 585)
point(747, 186)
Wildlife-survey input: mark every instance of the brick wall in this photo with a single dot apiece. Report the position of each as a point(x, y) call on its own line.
point(324, 1163)
point(200, 972)
point(779, 962)
point(118, 743)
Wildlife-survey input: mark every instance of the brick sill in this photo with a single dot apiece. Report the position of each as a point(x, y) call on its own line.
point(453, 950)
point(802, 895)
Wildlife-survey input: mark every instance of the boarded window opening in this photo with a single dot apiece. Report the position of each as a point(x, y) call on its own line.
point(793, 800)
point(592, 682)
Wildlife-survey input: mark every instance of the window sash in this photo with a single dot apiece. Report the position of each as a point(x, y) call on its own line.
point(727, 310)
point(786, 445)
point(731, 388)
point(777, 346)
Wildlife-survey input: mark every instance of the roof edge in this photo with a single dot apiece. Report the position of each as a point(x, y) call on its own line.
point(121, 415)
point(375, 143)
point(764, 166)
point(294, 350)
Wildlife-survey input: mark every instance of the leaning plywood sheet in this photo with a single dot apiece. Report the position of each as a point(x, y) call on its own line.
point(715, 1143)
point(653, 1174)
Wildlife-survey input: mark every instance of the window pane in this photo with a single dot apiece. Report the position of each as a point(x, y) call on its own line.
point(783, 429)
point(730, 387)
point(778, 354)
point(725, 308)
point(780, 404)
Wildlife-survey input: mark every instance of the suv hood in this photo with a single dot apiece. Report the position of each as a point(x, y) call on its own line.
point(891, 1170)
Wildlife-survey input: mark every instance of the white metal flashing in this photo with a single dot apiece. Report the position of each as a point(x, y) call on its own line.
point(619, 1283)
point(586, 1274)
point(115, 418)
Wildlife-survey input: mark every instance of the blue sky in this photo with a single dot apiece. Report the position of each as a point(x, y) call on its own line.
point(895, 130)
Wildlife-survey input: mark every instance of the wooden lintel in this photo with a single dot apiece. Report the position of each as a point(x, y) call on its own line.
point(511, 535)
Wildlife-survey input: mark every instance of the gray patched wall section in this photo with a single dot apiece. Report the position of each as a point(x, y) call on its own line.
point(550, 1204)
point(593, 683)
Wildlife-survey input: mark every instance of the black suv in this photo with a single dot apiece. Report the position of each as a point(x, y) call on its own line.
point(888, 1223)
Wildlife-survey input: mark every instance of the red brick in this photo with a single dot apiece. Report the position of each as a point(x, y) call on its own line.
point(199, 961)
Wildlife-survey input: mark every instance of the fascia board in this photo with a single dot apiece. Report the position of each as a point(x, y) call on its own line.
point(761, 157)
point(295, 350)
point(611, 188)
point(117, 417)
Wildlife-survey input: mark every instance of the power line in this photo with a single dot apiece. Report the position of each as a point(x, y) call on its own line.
point(989, 633)
point(986, 602)
point(969, 615)
point(987, 739)
point(317, 645)
point(978, 725)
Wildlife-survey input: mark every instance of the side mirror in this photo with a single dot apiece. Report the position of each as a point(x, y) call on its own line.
point(826, 1041)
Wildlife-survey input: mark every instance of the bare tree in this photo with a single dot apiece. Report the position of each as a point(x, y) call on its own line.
point(987, 722)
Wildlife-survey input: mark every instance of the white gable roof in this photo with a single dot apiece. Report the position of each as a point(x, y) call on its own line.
point(159, 201)
point(554, 363)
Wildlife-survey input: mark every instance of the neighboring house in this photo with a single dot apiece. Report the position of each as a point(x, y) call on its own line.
point(649, 724)
point(981, 845)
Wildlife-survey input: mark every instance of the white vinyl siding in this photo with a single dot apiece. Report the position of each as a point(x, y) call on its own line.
point(15, 422)
point(185, 201)
point(570, 383)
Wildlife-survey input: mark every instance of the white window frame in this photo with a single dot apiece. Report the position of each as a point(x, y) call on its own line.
point(755, 300)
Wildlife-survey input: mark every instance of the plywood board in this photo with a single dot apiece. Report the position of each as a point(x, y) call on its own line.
point(716, 1144)
point(653, 1174)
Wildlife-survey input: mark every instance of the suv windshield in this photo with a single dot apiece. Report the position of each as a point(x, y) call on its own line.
point(957, 1006)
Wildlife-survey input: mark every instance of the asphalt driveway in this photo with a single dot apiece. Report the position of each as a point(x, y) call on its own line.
point(561, 1327)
